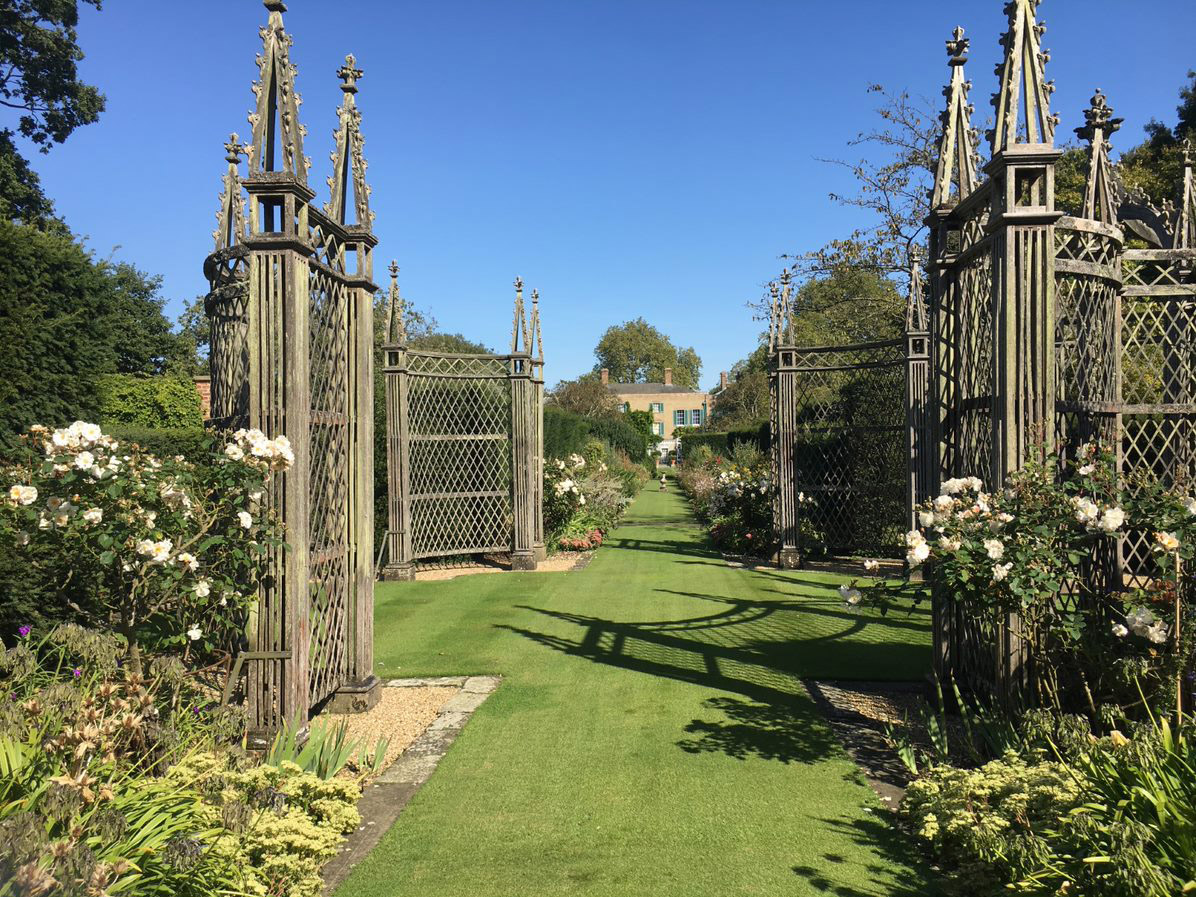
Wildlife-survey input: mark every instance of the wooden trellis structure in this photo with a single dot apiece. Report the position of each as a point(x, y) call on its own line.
point(465, 447)
point(1045, 330)
point(291, 309)
point(838, 437)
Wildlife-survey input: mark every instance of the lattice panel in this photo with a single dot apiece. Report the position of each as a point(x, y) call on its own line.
point(849, 450)
point(328, 535)
point(1157, 339)
point(970, 420)
point(459, 421)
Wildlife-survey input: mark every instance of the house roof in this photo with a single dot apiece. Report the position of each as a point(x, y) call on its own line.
point(631, 389)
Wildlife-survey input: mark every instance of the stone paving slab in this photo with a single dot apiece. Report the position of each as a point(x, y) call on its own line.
point(384, 799)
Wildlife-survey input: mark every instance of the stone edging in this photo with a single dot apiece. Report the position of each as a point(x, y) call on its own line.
point(384, 799)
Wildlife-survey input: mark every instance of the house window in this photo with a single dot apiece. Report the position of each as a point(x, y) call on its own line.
point(658, 407)
point(695, 417)
point(658, 428)
point(678, 418)
point(625, 407)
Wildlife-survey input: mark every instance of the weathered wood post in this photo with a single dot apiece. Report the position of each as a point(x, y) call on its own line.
point(279, 374)
point(923, 454)
point(359, 688)
point(783, 406)
point(524, 439)
point(538, 414)
point(400, 565)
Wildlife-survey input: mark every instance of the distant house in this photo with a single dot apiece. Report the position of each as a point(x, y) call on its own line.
point(671, 406)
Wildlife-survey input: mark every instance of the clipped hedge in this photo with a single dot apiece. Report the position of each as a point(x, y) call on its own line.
point(566, 433)
point(163, 441)
point(724, 443)
point(155, 402)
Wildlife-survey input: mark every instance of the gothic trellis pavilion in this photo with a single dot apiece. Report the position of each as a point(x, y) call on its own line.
point(1045, 330)
point(291, 309)
point(465, 446)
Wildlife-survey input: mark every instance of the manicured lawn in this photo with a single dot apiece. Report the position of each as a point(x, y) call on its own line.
point(651, 737)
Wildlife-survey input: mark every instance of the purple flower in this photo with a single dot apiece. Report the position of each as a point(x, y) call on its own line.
point(77, 672)
point(24, 631)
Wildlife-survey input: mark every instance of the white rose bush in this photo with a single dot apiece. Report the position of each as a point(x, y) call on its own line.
point(166, 552)
point(1023, 549)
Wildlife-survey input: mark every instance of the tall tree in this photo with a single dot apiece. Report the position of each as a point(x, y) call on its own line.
point(585, 396)
point(40, 84)
point(744, 401)
point(636, 352)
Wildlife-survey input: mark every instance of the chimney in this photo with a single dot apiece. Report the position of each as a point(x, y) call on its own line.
point(722, 380)
point(605, 376)
point(668, 376)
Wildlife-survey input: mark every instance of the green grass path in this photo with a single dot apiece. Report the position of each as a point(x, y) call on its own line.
point(651, 735)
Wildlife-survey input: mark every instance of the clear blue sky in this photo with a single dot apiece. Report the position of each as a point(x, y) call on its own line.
point(627, 157)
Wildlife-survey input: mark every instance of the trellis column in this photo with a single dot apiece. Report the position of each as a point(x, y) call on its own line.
point(524, 468)
point(923, 454)
point(279, 399)
point(400, 565)
point(361, 688)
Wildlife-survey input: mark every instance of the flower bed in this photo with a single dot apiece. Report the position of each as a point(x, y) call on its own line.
point(586, 494)
point(128, 581)
point(733, 498)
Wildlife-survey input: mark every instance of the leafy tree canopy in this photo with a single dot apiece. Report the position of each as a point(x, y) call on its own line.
point(636, 352)
point(585, 396)
point(744, 402)
point(40, 85)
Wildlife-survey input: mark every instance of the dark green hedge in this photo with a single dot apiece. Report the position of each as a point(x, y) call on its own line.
point(189, 442)
point(723, 443)
point(566, 432)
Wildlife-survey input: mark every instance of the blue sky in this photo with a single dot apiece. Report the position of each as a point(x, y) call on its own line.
point(627, 157)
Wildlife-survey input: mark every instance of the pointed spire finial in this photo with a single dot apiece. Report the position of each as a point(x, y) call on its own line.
point(537, 338)
point(349, 74)
point(396, 317)
point(519, 326)
point(1100, 192)
point(234, 149)
point(916, 319)
point(275, 118)
point(956, 167)
point(1023, 82)
point(958, 47)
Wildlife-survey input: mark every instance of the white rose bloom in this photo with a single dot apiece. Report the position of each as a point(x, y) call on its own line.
point(1190, 505)
point(93, 515)
point(1086, 510)
point(91, 432)
point(850, 595)
point(1140, 621)
point(918, 554)
point(995, 548)
point(914, 538)
point(582, 500)
point(975, 483)
point(1157, 633)
point(944, 503)
point(1167, 541)
point(203, 588)
point(1120, 630)
point(871, 566)
point(949, 543)
point(61, 438)
point(188, 560)
point(23, 495)
point(954, 486)
point(1000, 571)
point(246, 519)
point(234, 452)
point(1112, 519)
point(160, 552)
point(84, 460)
point(194, 633)
point(926, 518)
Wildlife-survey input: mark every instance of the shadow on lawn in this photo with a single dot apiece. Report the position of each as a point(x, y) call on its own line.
point(910, 877)
point(760, 650)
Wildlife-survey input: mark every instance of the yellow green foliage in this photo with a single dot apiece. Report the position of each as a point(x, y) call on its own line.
point(280, 824)
point(991, 819)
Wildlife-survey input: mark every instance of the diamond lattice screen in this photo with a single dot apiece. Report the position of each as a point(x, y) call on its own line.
point(459, 423)
point(850, 452)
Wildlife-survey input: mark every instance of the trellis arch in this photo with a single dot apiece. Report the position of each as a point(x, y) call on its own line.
point(291, 309)
point(465, 446)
